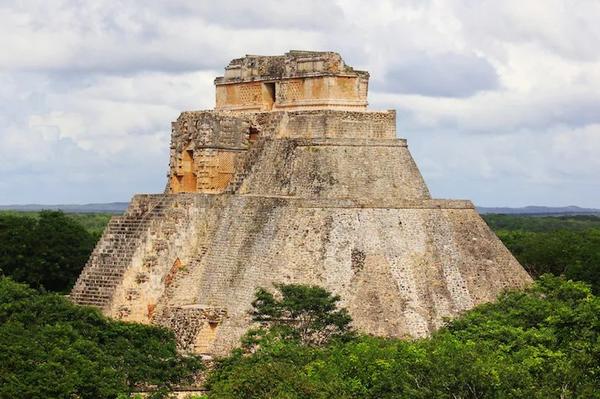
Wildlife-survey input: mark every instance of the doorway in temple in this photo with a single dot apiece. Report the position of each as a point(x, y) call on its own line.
point(187, 180)
point(269, 95)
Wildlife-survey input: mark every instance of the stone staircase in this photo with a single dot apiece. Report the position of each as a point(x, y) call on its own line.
point(247, 164)
point(114, 251)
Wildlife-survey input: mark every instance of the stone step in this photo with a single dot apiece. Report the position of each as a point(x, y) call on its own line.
point(113, 253)
point(102, 277)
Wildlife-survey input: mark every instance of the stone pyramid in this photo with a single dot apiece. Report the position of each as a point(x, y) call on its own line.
point(291, 179)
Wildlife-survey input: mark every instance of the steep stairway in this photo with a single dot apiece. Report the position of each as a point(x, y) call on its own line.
point(114, 252)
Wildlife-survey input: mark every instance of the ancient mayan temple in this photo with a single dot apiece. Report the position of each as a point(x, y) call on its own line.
point(292, 179)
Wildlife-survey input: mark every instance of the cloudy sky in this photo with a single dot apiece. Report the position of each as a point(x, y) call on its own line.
point(500, 100)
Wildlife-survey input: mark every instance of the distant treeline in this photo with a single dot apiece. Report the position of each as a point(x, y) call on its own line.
point(564, 246)
point(94, 223)
point(541, 224)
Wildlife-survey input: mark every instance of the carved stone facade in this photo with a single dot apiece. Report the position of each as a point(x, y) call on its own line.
point(328, 197)
point(295, 81)
point(208, 148)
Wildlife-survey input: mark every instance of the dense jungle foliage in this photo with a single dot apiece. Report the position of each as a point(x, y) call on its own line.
point(542, 343)
point(565, 245)
point(50, 348)
point(45, 250)
point(541, 224)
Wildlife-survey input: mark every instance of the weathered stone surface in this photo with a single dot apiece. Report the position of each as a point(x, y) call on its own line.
point(296, 80)
point(326, 197)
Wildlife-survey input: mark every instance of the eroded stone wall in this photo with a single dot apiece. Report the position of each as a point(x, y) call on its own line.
point(205, 149)
point(295, 81)
point(209, 149)
point(322, 92)
point(400, 267)
point(338, 124)
point(167, 247)
point(291, 64)
point(336, 168)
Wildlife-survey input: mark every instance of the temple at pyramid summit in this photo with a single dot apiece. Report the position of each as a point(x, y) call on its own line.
point(292, 179)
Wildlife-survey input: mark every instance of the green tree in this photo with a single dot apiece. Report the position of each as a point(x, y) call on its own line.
point(307, 313)
point(562, 245)
point(573, 254)
point(46, 252)
point(51, 348)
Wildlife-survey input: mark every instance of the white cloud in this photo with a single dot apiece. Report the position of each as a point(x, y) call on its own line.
point(89, 88)
point(114, 37)
point(443, 75)
point(569, 29)
point(520, 168)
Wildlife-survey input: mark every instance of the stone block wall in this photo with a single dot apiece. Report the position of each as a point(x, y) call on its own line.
point(294, 81)
point(342, 92)
point(336, 168)
point(209, 149)
point(339, 124)
point(400, 267)
point(205, 151)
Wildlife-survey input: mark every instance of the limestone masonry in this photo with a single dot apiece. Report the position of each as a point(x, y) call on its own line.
point(292, 179)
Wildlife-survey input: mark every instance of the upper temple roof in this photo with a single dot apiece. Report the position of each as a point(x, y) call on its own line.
point(294, 63)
